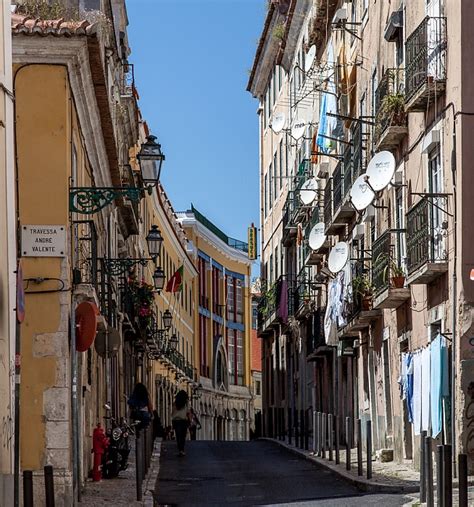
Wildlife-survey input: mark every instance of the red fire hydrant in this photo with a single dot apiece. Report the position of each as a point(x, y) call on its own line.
point(99, 444)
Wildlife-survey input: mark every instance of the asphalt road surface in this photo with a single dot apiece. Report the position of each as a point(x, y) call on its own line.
point(252, 473)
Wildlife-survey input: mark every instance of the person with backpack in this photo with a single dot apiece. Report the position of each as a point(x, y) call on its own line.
point(180, 419)
point(140, 406)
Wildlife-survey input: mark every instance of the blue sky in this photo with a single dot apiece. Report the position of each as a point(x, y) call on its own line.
point(191, 69)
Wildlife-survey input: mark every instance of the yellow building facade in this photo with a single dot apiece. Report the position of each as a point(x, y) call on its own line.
point(223, 329)
point(7, 261)
point(86, 205)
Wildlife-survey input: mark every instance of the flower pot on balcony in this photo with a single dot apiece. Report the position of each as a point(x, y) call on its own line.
point(398, 282)
point(366, 303)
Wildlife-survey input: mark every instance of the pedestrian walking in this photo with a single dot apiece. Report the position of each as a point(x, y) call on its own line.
point(180, 419)
point(194, 424)
point(140, 406)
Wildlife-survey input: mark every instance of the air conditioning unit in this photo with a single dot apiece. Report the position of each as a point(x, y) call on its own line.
point(341, 15)
point(397, 179)
point(358, 231)
point(323, 170)
point(369, 214)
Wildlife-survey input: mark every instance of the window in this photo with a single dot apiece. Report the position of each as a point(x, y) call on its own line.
point(400, 224)
point(281, 160)
point(435, 176)
point(254, 315)
point(240, 357)
point(271, 269)
point(239, 301)
point(277, 261)
point(265, 196)
point(275, 176)
point(230, 299)
point(258, 388)
point(270, 187)
point(231, 353)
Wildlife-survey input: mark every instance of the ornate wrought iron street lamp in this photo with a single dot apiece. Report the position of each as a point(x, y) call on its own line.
point(151, 151)
point(173, 341)
point(154, 241)
point(159, 278)
point(167, 319)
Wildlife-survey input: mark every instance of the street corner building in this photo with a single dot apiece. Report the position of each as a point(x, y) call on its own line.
point(365, 308)
point(223, 329)
point(98, 240)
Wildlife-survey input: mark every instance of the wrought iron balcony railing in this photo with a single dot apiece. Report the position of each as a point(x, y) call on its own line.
point(338, 186)
point(128, 80)
point(315, 331)
point(328, 204)
point(358, 163)
point(426, 233)
point(425, 51)
point(347, 171)
point(390, 102)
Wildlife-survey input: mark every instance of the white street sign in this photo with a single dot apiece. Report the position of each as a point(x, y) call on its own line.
point(43, 240)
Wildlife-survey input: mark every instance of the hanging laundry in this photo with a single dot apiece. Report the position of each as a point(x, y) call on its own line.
point(439, 382)
point(425, 389)
point(417, 388)
point(409, 390)
point(329, 317)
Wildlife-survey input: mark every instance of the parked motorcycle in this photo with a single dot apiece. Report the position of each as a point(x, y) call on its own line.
point(115, 458)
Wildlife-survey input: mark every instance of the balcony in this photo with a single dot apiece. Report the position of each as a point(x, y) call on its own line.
point(361, 314)
point(425, 77)
point(313, 257)
point(316, 347)
point(129, 211)
point(337, 210)
point(273, 307)
point(390, 116)
point(388, 277)
point(127, 85)
point(290, 228)
point(305, 294)
point(427, 240)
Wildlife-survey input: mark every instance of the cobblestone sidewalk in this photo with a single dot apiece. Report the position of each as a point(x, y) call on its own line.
point(121, 491)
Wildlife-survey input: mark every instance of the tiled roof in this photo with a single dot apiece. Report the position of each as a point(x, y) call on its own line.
point(22, 24)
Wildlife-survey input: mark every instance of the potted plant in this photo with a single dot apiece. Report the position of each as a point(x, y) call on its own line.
point(398, 275)
point(362, 287)
point(393, 107)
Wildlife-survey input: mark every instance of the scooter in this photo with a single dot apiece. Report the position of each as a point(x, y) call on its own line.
point(115, 458)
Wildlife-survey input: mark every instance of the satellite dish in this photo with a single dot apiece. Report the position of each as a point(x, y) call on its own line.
point(380, 170)
point(278, 122)
point(308, 191)
point(317, 237)
point(361, 193)
point(298, 128)
point(86, 325)
point(338, 257)
point(309, 60)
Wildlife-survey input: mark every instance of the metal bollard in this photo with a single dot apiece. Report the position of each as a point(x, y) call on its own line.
point(429, 473)
point(27, 488)
point(360, 470)
point(49, 485)
point(303, 429)
point(336, 420)
point(348, 443)
point(369, 449)
point(320, 434)
point(290, 427)
point(295, 423)
point(139, 464)
point(306, 434)
point(462, 465)
point(315, 433)
point(440, 475)
point(422, 468)
point(330, 430)
point(448, 476)
point(323, 435)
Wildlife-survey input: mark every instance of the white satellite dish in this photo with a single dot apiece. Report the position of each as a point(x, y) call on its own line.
point(278, 122)
point(361, 193)
point(380, 170)
point(298, 128)
point(309, 60)
point(308, 191)
point(317, 237)
point(338, 257)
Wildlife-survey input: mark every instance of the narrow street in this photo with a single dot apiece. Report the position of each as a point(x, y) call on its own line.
point(252, 473)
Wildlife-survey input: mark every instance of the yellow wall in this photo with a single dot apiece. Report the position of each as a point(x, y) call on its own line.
point(43, 130)
point(216, 253)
